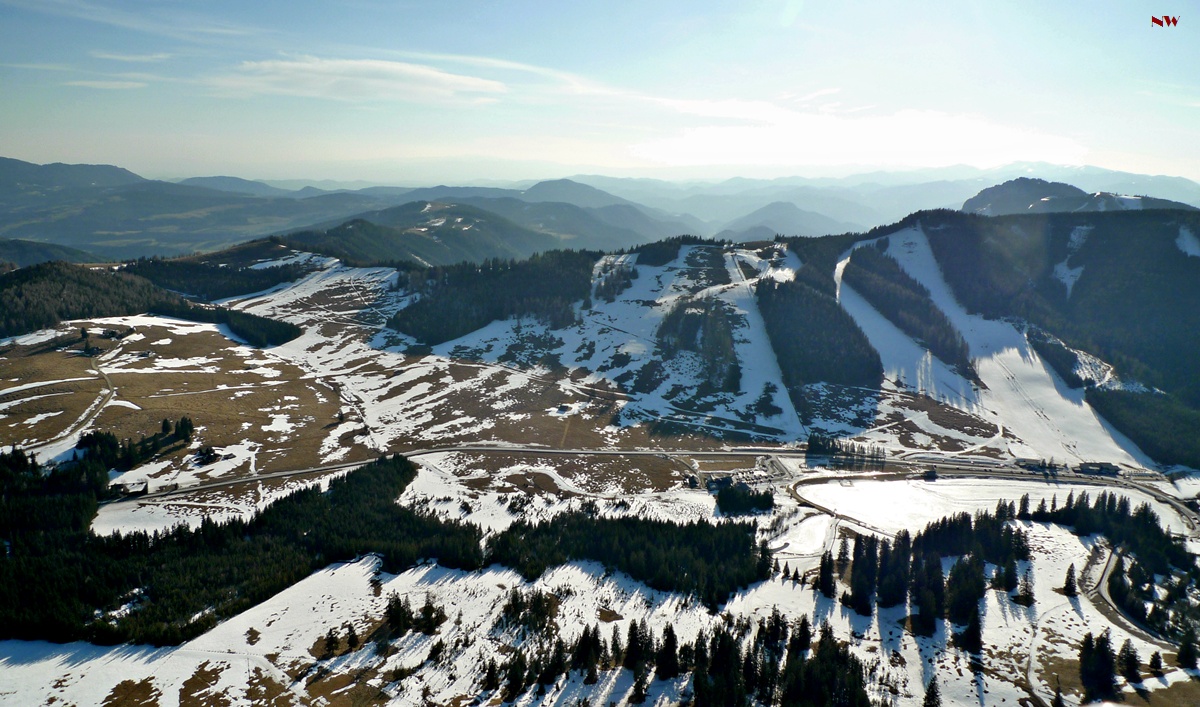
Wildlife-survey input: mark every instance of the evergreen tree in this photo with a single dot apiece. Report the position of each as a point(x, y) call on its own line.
point(1128, 662)
point(640, 683)
point(516, 676)
point(1069, 586)
point(331, 643)
point(1025, 593)
point(843, 557)
point(491, 676)
point(1156, 664)
point(1010, 575)
point(666, 661)
point(825, 581)
point(971, 639)
point(1097, 667)
point(933, 696)
point(1187, 649)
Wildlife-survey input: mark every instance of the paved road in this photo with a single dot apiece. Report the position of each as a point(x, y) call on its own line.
point(945, 470)
point(503, 449)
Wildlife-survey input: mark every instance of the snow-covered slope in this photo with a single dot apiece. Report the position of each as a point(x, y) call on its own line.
point(1042, 417)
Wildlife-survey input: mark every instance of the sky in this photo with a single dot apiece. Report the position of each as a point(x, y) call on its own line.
point(462, 91)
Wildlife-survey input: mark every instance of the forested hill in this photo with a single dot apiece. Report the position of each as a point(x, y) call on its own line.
point(1124, 286)
point(1037, 196)
point(1135, 301)
point(25, 253)
point(42, 295)
point(427, 233)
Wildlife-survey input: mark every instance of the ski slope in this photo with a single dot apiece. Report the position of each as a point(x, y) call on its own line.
point(1046, 417)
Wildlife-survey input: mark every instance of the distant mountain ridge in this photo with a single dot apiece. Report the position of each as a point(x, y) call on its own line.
point(425, 233)
point(237, 185)
point(783, 218)
point(1024, 195)
point(25, 253)
point(16, 174)
point(115, 213)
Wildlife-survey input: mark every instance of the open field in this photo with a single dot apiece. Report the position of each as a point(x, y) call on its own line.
point(259, 413)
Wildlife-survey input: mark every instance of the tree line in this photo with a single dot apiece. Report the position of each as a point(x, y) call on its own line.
point(773, 662)
point(181, 582)
point(1054, 352)
point(208, 282)
point(907, 304)
point(703, 326)
point(456, 300)
point(1160, 424)
point(659, 253)
point(814, 339)
point(41, 296)
point(707, 560)
point(123, 455)
point(739, 500)
point(255, 330)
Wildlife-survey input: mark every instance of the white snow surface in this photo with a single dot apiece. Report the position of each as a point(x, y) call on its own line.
point(1188, 242)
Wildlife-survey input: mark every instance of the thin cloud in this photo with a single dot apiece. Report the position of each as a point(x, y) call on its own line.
point(352, 80)
point(778, 137)
point(183, 26)
point(107, 85)
point(577, 84)
point(40, 67)
point(131, 58)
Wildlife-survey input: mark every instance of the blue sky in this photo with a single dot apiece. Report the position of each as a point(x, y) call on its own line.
point(421, 92)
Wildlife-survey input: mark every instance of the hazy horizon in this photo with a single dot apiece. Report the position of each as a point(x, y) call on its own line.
point(395, 93)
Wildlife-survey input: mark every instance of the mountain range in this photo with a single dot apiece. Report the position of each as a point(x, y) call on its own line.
point(114, 213)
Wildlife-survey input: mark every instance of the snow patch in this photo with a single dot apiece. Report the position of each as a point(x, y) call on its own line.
point(1188, 242)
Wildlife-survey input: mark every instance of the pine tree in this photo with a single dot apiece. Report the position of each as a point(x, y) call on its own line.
point(1128, 662)
point(1187, 649)
point(331, 643)
point(1156, 664)
point(666, 661)
point(1069, 586)
point(825, 581)
point(353, 638)
point(971, 639)
point(491, 676)
point(1025, 594)
point(801, 638)
point(843, 557)
point(933, 696)
point(516, 676)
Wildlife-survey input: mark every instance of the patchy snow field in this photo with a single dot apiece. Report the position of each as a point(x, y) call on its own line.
point(162, 513)
point(277, 644)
